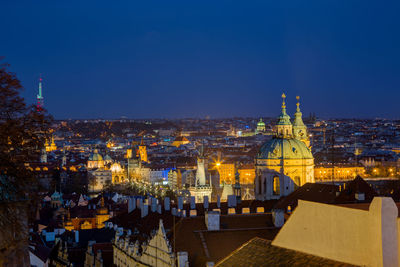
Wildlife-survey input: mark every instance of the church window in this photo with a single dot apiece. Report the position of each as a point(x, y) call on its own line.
point(277, 186)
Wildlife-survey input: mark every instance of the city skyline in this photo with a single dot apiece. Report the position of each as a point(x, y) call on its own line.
point(159, 60)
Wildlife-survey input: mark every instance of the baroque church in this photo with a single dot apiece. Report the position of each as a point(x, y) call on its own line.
point(285, 162)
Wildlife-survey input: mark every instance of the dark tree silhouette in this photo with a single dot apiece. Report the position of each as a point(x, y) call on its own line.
point(23, 130)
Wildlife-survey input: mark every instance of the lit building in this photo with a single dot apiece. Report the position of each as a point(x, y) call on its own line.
point(143, 152)
point(180, 140)
point(201, 189)
point(324, 173)
point(95, 160)
point(98, 179)
point(260, 126)
point(50, 147)
point(96, 219)
point(247, 174)
point(118, 173)
point(226, 173)
point(285, 162)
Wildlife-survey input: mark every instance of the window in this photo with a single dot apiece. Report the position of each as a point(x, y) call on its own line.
point(277, 186)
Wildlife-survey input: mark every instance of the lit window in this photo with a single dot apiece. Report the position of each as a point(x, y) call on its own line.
point(277, 186)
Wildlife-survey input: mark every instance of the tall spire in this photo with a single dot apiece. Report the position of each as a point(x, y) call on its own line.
point(298, 120)
point(39, 97)
point(298, 104)
point(299, 129)
point(284, 126)
point(283, 103)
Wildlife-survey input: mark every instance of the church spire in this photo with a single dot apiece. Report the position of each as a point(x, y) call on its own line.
point(299, 129)
point(284, 126)
point(298, 120)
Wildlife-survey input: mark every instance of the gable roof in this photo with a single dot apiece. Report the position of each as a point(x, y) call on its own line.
point(259, 252)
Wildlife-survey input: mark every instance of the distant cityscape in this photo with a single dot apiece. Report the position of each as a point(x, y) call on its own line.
point(307, 176)
point(112, 189)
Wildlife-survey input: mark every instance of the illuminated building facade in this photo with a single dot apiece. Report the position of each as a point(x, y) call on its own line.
point(99, 216)
point(324, 173)
point(226, 173)
point(201, 189)
point(143, 152)
point(95, 160)
point(50, 147)
point(118, 173)
point(285, 162)
point(260, 126)
point(181, 140)
point(247, 174)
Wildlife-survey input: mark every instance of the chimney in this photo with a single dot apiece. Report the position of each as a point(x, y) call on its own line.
point(231, 201)
point(153, 204)
point(167, 203)
point(360, 196)
point(278, 217)
point(131, 204)
point(180, 203)
point(212, 220)
point(144, 210)
point(205, 202)
point(76, 236)
point(159, 208)
point(192, 203)
point(183, 260)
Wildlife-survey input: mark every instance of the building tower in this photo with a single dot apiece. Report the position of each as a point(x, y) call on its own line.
point(284, 128)
point(43, 156)
point(237, 187)
point(201, 168)
point(299, 129)
point(201, 188)
point(143, 151)
point(39, 97)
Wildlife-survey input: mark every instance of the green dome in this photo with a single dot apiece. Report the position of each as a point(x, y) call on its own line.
point(95, 156)
point(261, 123)
point(290, 148)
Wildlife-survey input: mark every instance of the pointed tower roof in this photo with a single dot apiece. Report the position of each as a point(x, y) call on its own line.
point(298, 120)
point(284, 118)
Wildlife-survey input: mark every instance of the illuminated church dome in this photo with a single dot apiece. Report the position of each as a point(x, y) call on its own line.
point(95, 160)
point(260, 126)
point(282, 148)
point(95, 156)
point(285, 162)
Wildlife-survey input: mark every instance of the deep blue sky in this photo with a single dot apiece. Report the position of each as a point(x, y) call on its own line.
point(145, 59)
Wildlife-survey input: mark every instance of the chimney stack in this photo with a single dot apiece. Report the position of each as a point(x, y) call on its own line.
point(167, 205)
point(212, 219)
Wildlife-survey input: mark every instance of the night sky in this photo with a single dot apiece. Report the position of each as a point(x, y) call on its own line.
point(174, 59)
